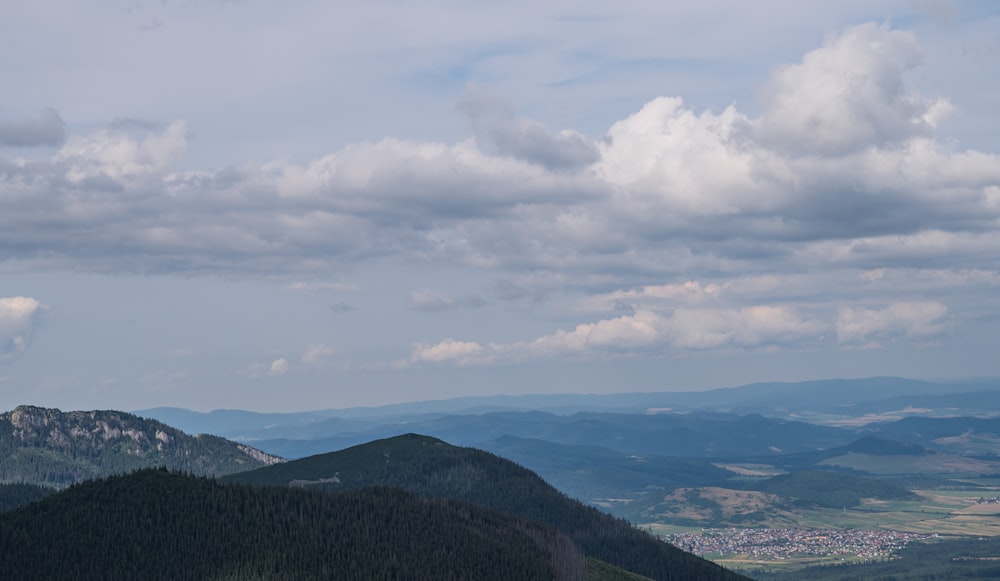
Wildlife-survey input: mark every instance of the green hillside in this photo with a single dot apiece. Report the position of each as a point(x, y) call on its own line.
point(53, 448)
point(435, 469)
point(831, 489)
point(159, 525)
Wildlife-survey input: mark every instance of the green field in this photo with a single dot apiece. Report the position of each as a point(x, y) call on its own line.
point(747, 566)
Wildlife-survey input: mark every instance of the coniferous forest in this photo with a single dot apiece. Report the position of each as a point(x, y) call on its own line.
point(155, 524)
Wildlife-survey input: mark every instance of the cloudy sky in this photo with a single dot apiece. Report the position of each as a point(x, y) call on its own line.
point(301, 205)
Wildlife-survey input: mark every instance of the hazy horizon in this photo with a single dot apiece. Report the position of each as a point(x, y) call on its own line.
point(213, 204)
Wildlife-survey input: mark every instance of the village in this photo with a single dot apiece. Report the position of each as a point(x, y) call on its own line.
point(779, 544)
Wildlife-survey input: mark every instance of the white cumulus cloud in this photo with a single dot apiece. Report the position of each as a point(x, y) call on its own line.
point(698, 229)
point(843, 153)
point(848, 95)
point(125, 151)
point(19, 318)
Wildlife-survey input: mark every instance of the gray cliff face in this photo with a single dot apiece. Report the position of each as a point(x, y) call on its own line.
point(51, 428)
point(51, 447)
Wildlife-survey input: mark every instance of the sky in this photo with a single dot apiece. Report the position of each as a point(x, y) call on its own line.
point(299, 205)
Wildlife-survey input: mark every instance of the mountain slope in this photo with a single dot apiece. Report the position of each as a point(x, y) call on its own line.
point(158, 525)
point(435, 469)
point(54, 448)
point(593, 473)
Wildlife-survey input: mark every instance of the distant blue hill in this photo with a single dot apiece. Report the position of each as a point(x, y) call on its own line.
point(846, 396)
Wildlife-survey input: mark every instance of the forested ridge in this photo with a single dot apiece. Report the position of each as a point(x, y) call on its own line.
point(434, 469)
point(155, 524)
point(53, 448)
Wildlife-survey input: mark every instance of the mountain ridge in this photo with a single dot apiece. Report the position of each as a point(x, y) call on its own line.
point(843, 390)
point(54, 448)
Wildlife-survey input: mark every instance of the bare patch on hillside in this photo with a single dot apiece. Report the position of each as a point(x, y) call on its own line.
point(716, 506)
point(765, 470)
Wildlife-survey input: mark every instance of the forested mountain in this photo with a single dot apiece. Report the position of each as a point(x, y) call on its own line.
point(154, 524)
point(56, 449)
point(434, 469)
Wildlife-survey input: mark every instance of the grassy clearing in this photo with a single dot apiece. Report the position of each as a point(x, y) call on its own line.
point(744, 564)
point(663, 529)
point(752, 470)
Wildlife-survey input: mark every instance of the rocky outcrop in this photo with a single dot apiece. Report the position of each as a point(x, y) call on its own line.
point(47, 446)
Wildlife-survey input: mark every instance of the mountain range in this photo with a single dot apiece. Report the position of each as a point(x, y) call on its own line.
point(768, 455)
point(819, 401)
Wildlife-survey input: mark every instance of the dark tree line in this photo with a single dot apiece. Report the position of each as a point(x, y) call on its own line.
point(160, 525)
point(17, 494)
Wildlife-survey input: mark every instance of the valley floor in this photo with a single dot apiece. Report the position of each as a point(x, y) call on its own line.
point(875, 531)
